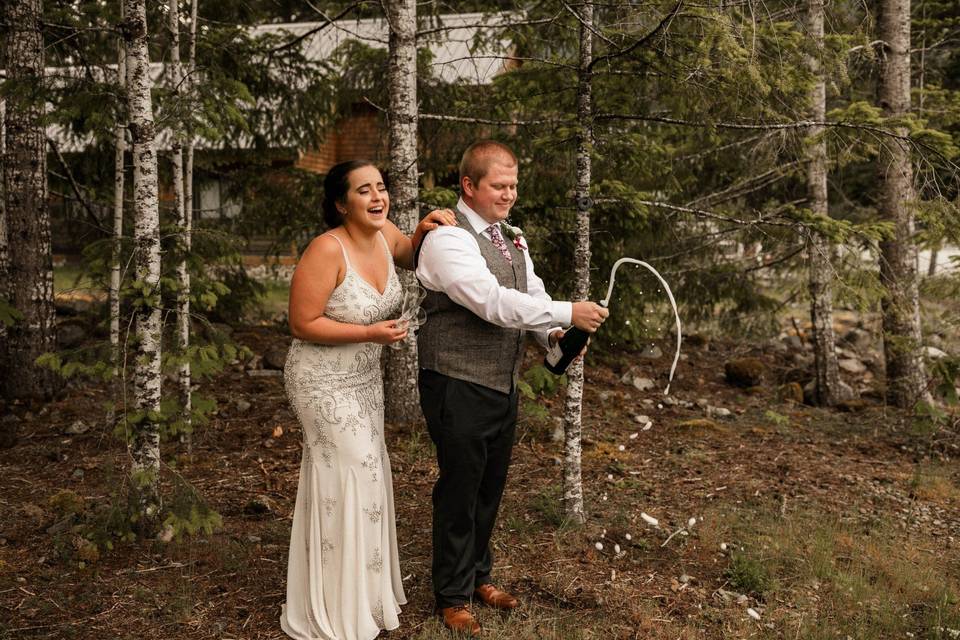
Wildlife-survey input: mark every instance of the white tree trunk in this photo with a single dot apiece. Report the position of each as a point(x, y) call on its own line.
point(145, 448)
point(29, 259)
point(400, 380)
point(902, 340)
point(827, 390)
point(120, 148)
point(572, 425)
point(178, 179)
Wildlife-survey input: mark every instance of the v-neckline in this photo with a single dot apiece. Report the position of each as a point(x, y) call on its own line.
point(369, 284)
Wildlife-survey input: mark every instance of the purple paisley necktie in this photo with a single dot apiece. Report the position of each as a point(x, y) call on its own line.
point(497, 238)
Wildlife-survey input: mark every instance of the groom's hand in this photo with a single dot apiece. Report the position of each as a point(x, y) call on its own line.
point(588, 315)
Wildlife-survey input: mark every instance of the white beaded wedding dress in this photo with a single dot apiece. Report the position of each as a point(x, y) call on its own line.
point(343, 577)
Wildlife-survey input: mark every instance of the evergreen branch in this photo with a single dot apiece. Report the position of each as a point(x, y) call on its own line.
point(588, 26)
point(327, 21)
point(774, 262)
point(510, 25)
point(746, 185)
point(664, 23)
point(554, 63)
point(95, 221)
point(470, 120)
point(703, 213)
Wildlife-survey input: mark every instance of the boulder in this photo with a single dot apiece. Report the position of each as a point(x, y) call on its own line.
point(275, 358)
point(632, 378)
point(651, 352)
point(852, 365)
point(934, 353)
point(794, 343)
point(790, 392)
point(76, 428)
point(744, 372)
point(70, 334)
point(858, 339)
point(258, 506)
point(846, 393)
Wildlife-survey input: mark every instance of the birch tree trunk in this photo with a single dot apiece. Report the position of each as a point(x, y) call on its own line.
point(827, 390)
point(178, 178)
point(183, 302)
point(400, 380)
point(572, 425)
point(118, 183)
point(145, 448)
point(29, 259)
point(902, 340)
point(4, 258)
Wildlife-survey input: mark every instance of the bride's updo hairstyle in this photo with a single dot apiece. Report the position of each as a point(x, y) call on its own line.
point(335, 187)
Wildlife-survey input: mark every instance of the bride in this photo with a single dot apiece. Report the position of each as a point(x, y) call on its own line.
point(343, 576)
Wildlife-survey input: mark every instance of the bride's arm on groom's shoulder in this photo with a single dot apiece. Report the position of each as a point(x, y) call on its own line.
point(320, 270)
point(403, 247)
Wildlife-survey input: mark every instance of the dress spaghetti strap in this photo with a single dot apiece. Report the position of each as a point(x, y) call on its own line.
point(343, 249)
point(386, 247)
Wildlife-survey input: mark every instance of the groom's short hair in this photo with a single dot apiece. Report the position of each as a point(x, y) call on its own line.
point(476, 160)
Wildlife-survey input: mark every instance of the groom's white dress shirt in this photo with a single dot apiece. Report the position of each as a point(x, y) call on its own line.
point(450, 262)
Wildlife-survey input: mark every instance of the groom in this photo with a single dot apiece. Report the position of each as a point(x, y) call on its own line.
point(483, 296)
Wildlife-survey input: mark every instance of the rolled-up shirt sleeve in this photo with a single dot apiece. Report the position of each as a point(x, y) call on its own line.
point(451, 262)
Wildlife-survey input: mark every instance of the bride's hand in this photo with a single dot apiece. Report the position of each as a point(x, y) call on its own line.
point(434, 219)
point(439, 217)
point(387, 332)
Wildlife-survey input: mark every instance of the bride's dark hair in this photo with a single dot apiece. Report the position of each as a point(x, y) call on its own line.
point(335, 187)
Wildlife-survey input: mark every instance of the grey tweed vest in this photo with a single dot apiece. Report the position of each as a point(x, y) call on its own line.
point(458, 343)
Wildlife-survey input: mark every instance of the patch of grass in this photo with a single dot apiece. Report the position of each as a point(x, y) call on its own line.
point(776, 419)
point(933, 483)
point(548, 505)
point(748, 574)
point(71, 279)
point(849, 579)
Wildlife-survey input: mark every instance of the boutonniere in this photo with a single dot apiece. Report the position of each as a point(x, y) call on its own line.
point(515, 234)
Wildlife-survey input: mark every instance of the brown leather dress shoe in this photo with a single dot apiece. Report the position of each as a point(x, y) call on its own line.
point(459, 619)
point(493, 597)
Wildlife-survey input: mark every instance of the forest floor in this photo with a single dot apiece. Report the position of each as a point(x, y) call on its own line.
point(809, 523)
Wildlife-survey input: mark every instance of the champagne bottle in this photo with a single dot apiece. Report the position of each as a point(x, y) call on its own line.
point(560, 355)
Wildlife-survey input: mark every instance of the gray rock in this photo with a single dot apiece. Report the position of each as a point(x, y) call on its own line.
point(70, 334)
point(258, 506)
point(632, 378)
point(275, 358)
point(78, 427)
point(852, 365)
point(858, 338)
point(265, 373)
point(793, 343)
point(242, 406)
point(643, 384)
point(934, 353)
point(846, 392)
point(719, 412)
point(652, 352)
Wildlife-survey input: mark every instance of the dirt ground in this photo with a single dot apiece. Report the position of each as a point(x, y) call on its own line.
point(865, 468)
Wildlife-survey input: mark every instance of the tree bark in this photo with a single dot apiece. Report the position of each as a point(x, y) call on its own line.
point(827, 389)
point(29, 258)
point(145, 447)
point(902, 340)
point(572, 414)
point(183, 227)
point(400, 380)
point(120, 148)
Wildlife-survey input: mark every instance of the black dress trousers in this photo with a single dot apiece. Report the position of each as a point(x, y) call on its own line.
point(473, 428)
